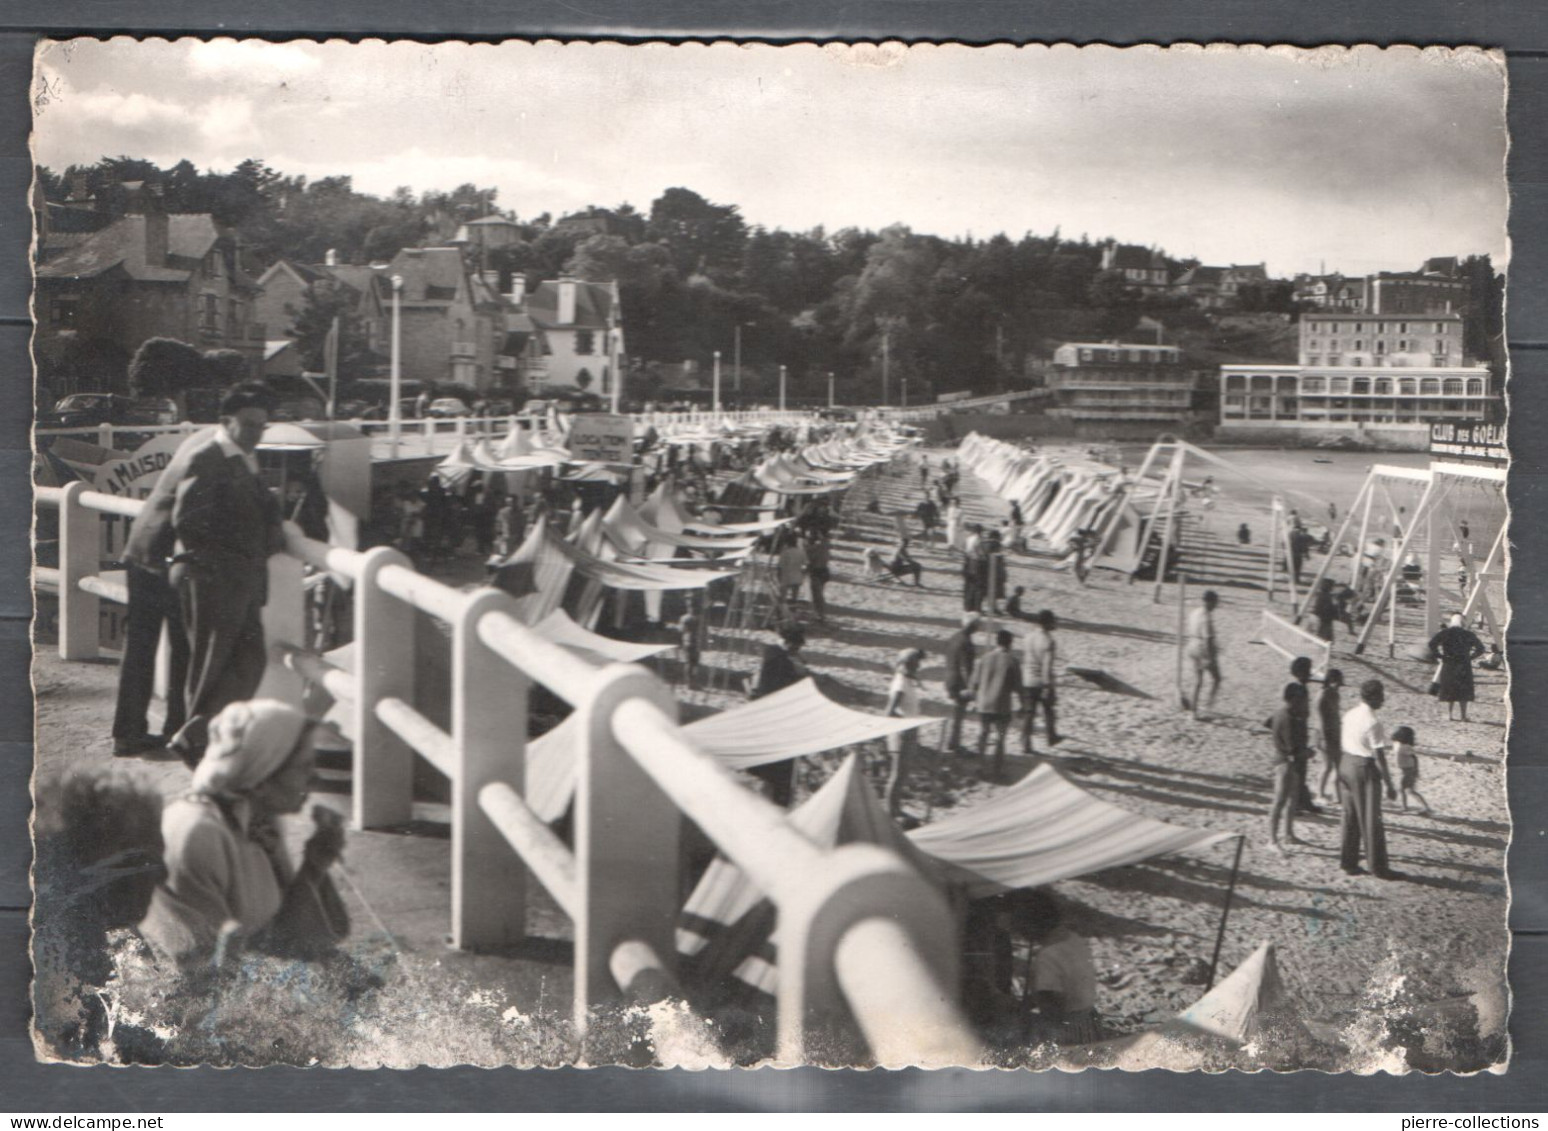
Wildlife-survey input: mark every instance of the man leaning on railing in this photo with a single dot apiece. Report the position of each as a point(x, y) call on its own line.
point(210, 525)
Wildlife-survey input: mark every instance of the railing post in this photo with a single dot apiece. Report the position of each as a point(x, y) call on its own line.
point(859, 882)
point(627, 833)
point(384, 665)
point(105, 435)
point(80, 555)
point(284, 622)
point(489, 727)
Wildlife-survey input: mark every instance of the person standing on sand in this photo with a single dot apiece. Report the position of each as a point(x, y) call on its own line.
point(1203, 649)
point(1362, 771)
point(996, 685)
point(1301, 672)
point(1038, 674)
point(1455, 649)
point(792, 566)
point(903, 696)
point(1325, 609)
point(780, 669)
point(929, 518)
point(1408, 769)
point(1288, 728)
point(819, 572)
point(1329, 715)
point(960, 657)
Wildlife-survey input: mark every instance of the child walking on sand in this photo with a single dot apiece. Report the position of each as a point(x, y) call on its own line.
point(1408, 769)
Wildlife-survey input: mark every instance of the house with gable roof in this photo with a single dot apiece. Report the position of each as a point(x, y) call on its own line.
point(1144, 269)
point(581, 325)
point(146, 274)
point(1218, 288)
point(454, 321)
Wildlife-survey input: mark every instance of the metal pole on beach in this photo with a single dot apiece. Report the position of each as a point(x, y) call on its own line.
point(1225, 913)
point(395, 386)
point(716, 401)
point(1273, 550)
point(1182, 638)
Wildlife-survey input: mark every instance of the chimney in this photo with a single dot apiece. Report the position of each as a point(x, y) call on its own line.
point(331, 257)
point(146, 200)
point(518, 288)
point(566, 301)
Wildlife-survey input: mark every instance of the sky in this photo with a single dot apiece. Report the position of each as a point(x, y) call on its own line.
point(1360, 160)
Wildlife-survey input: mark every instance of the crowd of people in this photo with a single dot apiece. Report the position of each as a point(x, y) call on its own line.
point(197, 563)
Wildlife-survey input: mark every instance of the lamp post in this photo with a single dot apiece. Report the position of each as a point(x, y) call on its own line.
point(614, 346)
point(886, 361)
point(715, 403)
point(736, 364)
point(781, 388)
point(395, 387)
point(830, 388)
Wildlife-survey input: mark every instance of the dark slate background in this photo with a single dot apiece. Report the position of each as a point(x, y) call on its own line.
point(1519, 26)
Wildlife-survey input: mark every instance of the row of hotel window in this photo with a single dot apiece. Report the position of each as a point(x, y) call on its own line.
point(65, 312)
point(1376, 327)
point(1404, 345)
point(1365, 386)
point(1130, 355)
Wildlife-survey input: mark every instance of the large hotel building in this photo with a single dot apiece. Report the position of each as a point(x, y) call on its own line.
point(1382, 376)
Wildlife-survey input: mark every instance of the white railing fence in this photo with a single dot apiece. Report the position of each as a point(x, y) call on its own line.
point(866, 945)
point(425, 431)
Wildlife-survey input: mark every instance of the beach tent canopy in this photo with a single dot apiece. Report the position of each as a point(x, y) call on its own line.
point(791, 722)
point(726, 926)
point(662, 510)
point(634, 538)
point(558, 627)
point(537, 574)
point(1233, 1014)
point(1044, 829)
point(644, 576)
point(628, 523)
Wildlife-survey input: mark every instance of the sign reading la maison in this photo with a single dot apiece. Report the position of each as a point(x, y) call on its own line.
point(1469, 440)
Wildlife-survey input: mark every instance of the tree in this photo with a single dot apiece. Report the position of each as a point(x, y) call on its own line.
point(165, 367)
point(224, 368)
point(324, 301)
point(701, 236)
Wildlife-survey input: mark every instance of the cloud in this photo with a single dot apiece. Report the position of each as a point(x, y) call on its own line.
point(1234, 155)
point(127, 111)
point(229, 124)
point(250, 58)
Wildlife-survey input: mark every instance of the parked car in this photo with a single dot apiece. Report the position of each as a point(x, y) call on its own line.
point(87, 410)
point(448, 406)
point(582, 402)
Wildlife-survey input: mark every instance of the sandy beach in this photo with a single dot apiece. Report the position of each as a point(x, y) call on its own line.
point(1434, 940)
point(1386, 974)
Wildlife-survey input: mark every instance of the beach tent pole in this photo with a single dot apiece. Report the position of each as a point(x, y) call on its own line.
point(1150, 457)
point(1182, 641)
point(1225, 912)
point(1327, 561)
point(1286, 535)
point(1393, 570)
point(1432, 563)
point(1478, 597)
point(1173, 504)
point(1273, 543)
point(1369, 492)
